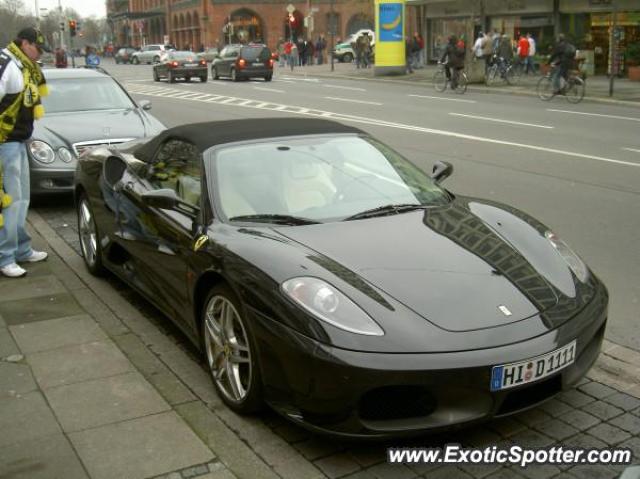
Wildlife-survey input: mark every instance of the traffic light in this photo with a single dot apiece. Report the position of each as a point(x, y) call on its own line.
point(72, 27)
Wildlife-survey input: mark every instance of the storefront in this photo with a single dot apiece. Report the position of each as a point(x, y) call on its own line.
point(519, 17)
point(443, 20)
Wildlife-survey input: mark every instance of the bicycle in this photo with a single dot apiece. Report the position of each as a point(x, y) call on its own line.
point(440, 79)
point(501, 68)
point(573, 88)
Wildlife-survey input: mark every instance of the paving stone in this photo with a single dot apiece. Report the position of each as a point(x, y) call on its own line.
point(610, 434)
point(8, 347)
point(592, 471)
point(144, 447)
point(449, 472)
point(634, 445)
point(533, 417)
point(229, 448)
point(41, 458)
point(597, 390)
point(575, 398)
point(585, 441)
point(194, 471)
point(580, 420)
point(623, 401)
point(102, 401)
point(602, 410)
point(296, 468)
point(480, 470)
point(367, 456)
point(221, 474)
point(99, 311)
point(555, 407)
point(337, 465)
point(507, 426)
point(628, 422)
point(56, 333)
point(539, 471)
point(531, 438)
point(24, 418)
point(78, 363)
point(556, 429)
point(391, 471)
point(31, 287)
point(318, 447)
point(16, 379)
point(504, 473)
point(361, 475)
point(38, 309)
point(292, 433)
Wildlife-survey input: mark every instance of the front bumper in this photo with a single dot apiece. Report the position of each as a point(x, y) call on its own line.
point(51, 180)
point(360, 394)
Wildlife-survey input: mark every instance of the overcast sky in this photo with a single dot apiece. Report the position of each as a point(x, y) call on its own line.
point(85, 8)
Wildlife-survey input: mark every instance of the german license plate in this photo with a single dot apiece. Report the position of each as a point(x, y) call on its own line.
point(510, 375)
point(257, 64)
point(190, 64)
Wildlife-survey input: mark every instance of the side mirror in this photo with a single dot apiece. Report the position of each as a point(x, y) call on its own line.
point(113, 171)
point(145, 104)
point(165, 199)
point(441, 171)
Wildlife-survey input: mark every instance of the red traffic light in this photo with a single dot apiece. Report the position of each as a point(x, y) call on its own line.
point(72, 27)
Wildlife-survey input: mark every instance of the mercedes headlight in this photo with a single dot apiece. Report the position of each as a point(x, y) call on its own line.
point(331, 306)
point(42, 152)
point(65, 155)
point(572, 259)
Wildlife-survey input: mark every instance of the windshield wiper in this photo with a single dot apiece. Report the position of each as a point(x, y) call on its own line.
point(274, 218)
point(385, 210)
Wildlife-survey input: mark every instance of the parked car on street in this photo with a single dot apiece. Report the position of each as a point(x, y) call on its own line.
point(178, 64)
point(124, 55)
point(243, 61)
point(85, 107)
point(321, 272)
point(149, 54)
point(209, 54)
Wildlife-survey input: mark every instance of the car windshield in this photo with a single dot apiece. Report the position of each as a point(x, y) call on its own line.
point(85, 94)
point(318, 178)
point(256, 53)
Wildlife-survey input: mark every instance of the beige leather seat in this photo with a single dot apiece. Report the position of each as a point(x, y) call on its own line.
point(305, 185)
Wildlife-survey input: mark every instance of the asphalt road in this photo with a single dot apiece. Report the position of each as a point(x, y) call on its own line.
point(574, 167)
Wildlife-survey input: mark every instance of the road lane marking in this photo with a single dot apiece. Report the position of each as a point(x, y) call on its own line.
point(268, 89)
point(632, 149)
point(289, 109)
point(617, 117)
point(353, 101)
point(443, 98)
point(344, 87)
point(500, 121)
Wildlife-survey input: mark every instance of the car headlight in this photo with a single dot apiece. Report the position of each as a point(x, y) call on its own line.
point(574, 262)
point(42, 152)
point(328, 304)
point(65, 155)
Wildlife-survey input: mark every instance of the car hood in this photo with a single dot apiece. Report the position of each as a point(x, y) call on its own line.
point(468, 266)
point(65, 129)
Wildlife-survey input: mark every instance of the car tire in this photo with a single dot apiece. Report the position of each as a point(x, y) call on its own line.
point(269, 77)
point(214, 73)
point(347, 58)
point(170, 77)
point(155, 75)
point(187, 78)
point(203, 78)
point(135, 61)
point(230, 351)
point(156, 59)
point(234, 75)
point(89, 237)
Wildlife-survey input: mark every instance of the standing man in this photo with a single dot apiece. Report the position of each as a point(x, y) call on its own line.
point(22, 83)
point(532, 52)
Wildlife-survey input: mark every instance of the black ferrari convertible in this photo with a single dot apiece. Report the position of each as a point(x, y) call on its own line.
point(322, 273)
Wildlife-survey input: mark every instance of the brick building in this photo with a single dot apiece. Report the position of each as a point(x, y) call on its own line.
point(196, 23)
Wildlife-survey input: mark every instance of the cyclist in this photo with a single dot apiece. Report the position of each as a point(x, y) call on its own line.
point(455, 60)
point(563, 56)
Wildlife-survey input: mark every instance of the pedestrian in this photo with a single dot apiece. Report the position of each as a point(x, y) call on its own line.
point(22, 84)
point(523, 52)
point(478, 46)
point(407, 55)
point(487, 51)
point(293, 57)
point(321, 45)
point(532, 52)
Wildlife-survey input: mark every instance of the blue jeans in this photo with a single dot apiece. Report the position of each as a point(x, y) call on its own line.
point(15, 243)
point(560, 71)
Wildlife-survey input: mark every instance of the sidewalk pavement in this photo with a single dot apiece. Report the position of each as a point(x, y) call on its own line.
point(597, 86)
point(92, 388)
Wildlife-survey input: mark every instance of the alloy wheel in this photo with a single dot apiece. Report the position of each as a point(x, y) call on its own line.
point(88, 233)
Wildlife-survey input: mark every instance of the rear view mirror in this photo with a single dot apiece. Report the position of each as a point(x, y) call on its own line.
point(441, 171)
point(113, 171)
point(164, 198)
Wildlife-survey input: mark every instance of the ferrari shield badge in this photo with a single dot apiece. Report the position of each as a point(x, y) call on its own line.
point(200, 242)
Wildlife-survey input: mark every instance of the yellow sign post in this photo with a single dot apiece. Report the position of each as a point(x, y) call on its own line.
point(390, 46)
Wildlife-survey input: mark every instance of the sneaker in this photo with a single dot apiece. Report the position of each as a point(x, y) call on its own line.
point(35, 257)
point(13, 271)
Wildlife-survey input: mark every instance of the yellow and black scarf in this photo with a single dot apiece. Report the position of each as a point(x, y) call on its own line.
point(34, 81)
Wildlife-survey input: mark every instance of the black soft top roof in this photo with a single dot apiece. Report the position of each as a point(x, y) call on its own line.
point(212, 133)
